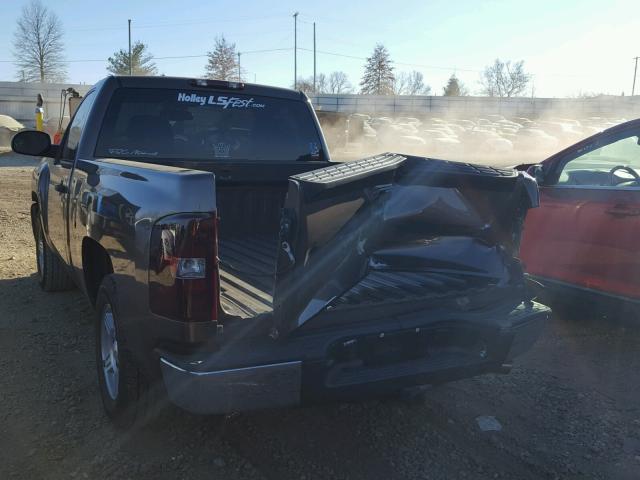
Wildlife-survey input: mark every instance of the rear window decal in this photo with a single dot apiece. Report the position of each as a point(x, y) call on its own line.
point(135, 151)
point(218, 100)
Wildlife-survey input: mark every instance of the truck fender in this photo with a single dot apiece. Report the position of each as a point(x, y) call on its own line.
point(40, 190)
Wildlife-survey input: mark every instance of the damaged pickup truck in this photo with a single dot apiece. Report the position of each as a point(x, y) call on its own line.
point(234, 266)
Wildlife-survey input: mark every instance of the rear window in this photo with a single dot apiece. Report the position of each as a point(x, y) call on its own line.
point(207, 125)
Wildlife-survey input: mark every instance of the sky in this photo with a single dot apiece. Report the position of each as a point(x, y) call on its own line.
point(570, 47)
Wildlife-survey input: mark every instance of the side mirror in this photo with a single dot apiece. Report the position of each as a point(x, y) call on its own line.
point(35, 143)
point(537, 172)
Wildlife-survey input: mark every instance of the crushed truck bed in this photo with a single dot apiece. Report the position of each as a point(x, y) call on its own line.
point(247, 274)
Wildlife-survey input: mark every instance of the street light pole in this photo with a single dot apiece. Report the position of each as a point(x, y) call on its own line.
point(239, 80)
point(295, 50)
point(130, 70)
point(314, 57)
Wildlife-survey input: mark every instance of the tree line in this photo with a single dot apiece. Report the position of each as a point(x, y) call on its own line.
point(39, 56)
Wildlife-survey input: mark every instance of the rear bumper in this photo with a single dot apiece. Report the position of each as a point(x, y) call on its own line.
point(308, 369)
point(238, 389)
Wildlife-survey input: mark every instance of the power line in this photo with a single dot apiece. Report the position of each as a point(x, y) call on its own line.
point(323, 52)
point(174, 57)
point(397, 63)
point(176, 24)
point(212, 20)
point(66, 61)
point(332, 53)
point(437, 67)
point(288, 49)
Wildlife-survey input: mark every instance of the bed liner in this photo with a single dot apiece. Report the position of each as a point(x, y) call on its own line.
point(247, 270)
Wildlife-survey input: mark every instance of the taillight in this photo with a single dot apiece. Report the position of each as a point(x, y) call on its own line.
point(183, 268)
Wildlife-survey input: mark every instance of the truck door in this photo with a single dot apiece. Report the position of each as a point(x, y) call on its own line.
point(60, 171)
point(585, 231)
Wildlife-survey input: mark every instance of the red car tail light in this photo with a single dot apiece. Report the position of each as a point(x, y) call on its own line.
point(183, 268)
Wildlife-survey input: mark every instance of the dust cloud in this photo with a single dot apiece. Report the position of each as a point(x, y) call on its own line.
point(489, 139)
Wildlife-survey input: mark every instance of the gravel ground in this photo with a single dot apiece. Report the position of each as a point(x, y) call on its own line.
point(569, 409)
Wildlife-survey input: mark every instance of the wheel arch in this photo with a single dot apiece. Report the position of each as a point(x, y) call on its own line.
point(96, 264)
point(35, 212)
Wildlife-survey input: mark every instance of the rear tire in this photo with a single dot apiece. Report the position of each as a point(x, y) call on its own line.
point(129, 399)
point(52, 273)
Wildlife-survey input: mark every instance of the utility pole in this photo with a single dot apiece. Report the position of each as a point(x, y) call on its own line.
point(130, 69)
point(635, 71)
point(295, 50)
point(314, 57)
point(239, 78)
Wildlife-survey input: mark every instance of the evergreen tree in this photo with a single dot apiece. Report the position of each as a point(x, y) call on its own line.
point(222, 62)
point(141, 61)
point(378, 78)
point(454, 87)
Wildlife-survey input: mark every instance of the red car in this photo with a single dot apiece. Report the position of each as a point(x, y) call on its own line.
point(585, 237)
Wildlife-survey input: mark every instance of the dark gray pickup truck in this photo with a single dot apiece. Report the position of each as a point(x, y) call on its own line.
point(234, 266)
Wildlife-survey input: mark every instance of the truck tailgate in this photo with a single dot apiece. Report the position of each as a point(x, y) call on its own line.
point(396, 226)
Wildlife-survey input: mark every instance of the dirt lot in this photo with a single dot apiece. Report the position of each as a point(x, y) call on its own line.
point(570, 408)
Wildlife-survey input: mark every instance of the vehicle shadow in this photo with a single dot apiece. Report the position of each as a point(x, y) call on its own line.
point(594, 312)
point(54, 404)
point(10, 159)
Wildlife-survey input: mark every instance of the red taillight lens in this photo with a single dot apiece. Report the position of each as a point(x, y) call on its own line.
point(183, 268)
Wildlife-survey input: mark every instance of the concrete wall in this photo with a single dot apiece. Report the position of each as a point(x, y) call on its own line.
point(469, 107)
point(18, 99)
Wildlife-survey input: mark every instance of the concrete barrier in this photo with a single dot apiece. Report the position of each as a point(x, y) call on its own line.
point(469, 107)
point(18, 99)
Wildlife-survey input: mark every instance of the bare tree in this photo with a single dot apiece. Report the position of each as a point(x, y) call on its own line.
point(416, 85)
point(411, 83)
point(504, 79)
point(454, 88)
point(322, 84)
point(378, 78)
point(339, 83)
point(37, 45)
point(400, 83)
point(223, 61)
point(305, 85)
point(141, 61)
point(587, 94)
